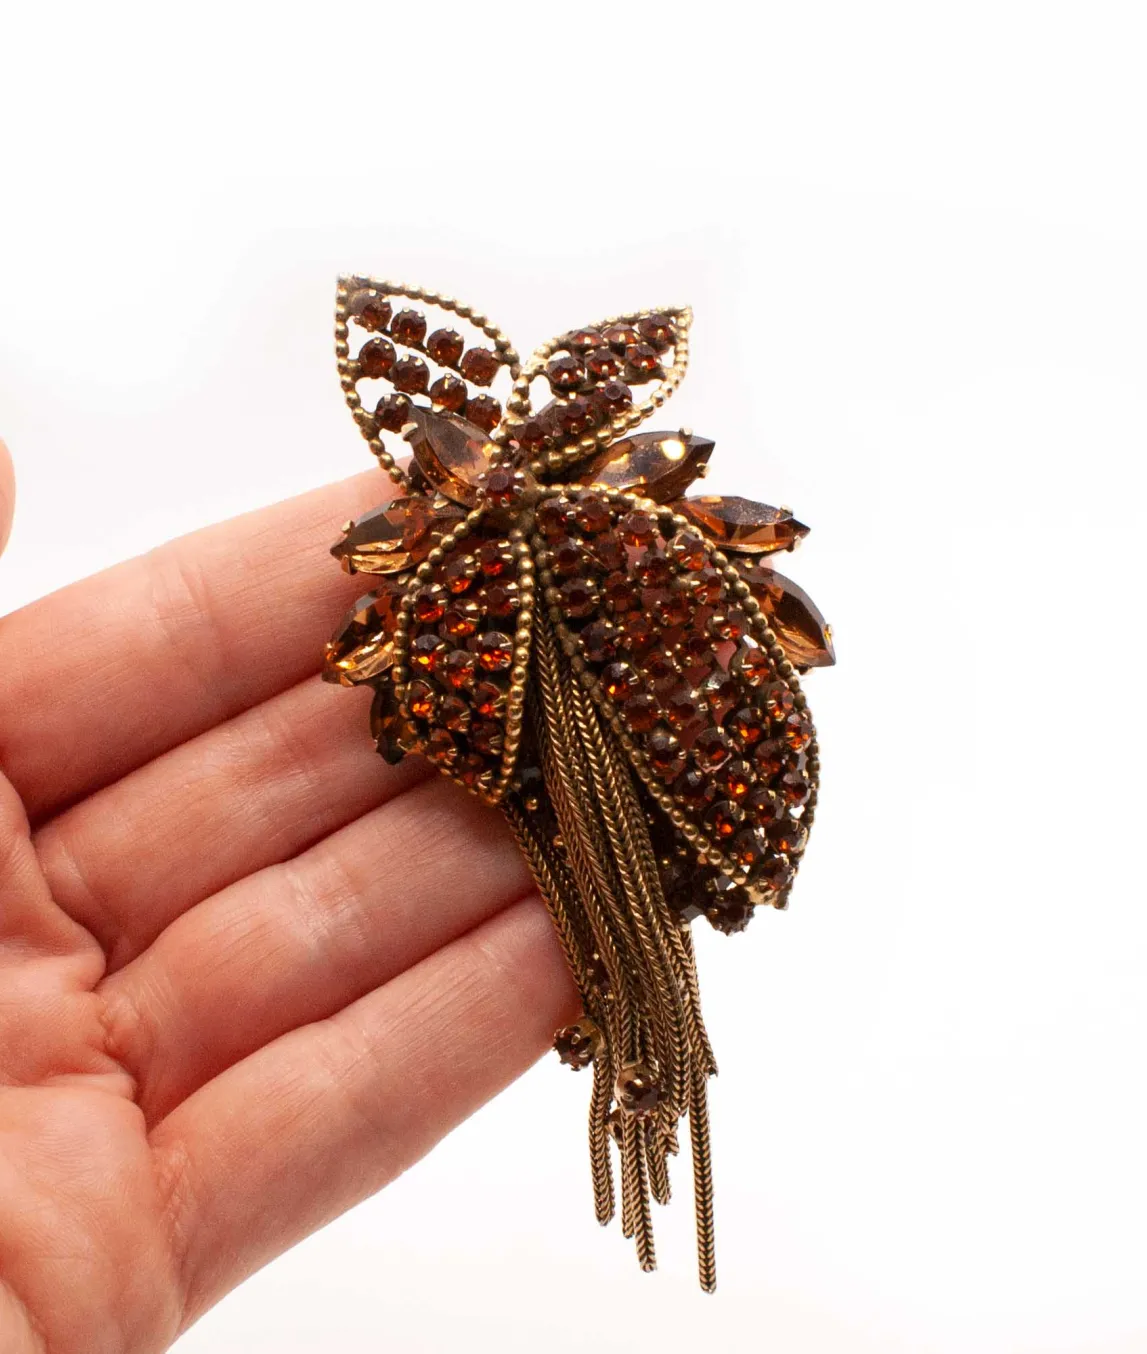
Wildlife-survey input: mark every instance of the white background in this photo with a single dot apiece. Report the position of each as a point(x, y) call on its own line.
point(914, 238)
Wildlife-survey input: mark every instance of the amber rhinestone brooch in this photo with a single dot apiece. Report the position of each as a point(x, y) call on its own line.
point(560, 629)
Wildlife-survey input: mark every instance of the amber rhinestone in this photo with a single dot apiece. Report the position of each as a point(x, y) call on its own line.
point(500, 598)
point(799, 626)
point(697, 656)
point(489, 698)
point(552, 518)
point(479, 365)
point(495, 651)
point(441, 747)
point(619, 593)
point(666, 755)
point(455, 713)
point(383, 539)
point(770, 756)
point(504, 486)
point(724, 819)
point(360, 649)
point(607, 551)
point(602, 364)
point(661, 668)
point(578, 597)
point(474, 771)
point(370, 310)
point(462, 618)
point(421, 699)
point(427, 651)
point(668, 606)
point(729, 908)
point(659, 466)
point(749, 662)
point(599, 641)
point(445, 347)
point(706, 585)
point(713, 748)
point(531, 436)
point(694, 789)
point(641, 712)
point(457, 668)
point(642, 357)
point(722, 694)
point(393, 412)
point(408, 327)
point(487, 738)
point(573, 417)
point(638, 1091)
point(449, 393)
point(788, 835)
point(495, 558)
point(682, 706)
point(637, 528)
point(576, 1044)
point(410, 375)
point(657, 330)
point(484, 412)
point(429, 603)
point(798, 731)
point(778, 701)
point(376, 358)
point(564, 372)
point(736, 778)
point(640, 630)
point(619, 681)
point(688, 550)
point(774, 874)
point(742, 525)
point(620, 336)
point(616, 395)
point(795, 789)
point(568, 557)
point(653, 568)
point(582, 340)
point(459, 573)
point(749, 846)
point(763, 805)
point(732, 623)
point(748, 726)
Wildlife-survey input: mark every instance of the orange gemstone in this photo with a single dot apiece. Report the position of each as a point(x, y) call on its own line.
point(500, 598)
point(619, 681)
point(445, 347)
point(578, 597)
point(778, 701)
point(748, 727)
point(489, 698)
point(450, 452)
point(637, 528)
point(361, 648)
point(694, 789)
point(376, 358)
point(750, 846)
point(653, 568)
point(724, 819)
point(370, 310)
point(770, 755)
point(795, 789)
point(552, 518)
point(484, 412)
point(592, 514)
point(487, 738)
point(564, 372)
point(449, 393)
point(462, 618)
point(427, 652)
point(621, 336)
point(429, 603)
point(689, 550)
point(602, 364)
point(479, 365)
point(390, 538)
point(666, 755)
point(642, 358)
point(599, 641)
point(393, 412)
point(421, 699)
point(641, 712)
point(410, 375)
point(457, 669)
point(659, 466)
point(657, 330)
point(582, 340)
point(408, 327)
point(750, 662)
point(495, 651)
point(763, 806)
point(682, 706)
point(454, 713)
point(495, 558)
point(741, 524)
point(459, 573)
point(798, 731)
point(789, 835)
point(736, 778)
point(713, 748)
point(441, 747)
point(799, 626)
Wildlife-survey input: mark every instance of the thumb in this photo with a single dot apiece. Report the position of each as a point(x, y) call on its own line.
point(7, 495)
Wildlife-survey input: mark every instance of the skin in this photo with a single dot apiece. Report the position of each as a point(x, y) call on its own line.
point(223, 1019)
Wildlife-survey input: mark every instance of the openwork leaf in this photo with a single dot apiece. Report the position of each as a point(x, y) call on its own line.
point(602, 380)
point(716, 733)
point(460, 661)
point(403, 348)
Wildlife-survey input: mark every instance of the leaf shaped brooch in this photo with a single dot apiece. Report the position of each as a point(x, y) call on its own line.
point(559, 629)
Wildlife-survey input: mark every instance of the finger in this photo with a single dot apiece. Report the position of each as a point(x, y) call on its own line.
point(110, 672)
point(7, 495)
point(325, 1116)
point(297, 942)
point(254, 791)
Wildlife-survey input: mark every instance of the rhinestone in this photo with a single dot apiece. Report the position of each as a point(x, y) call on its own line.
point(689, 550)
point(408, 327)
point(657, 330)
point(479, 365)
point(778, 701)
point(602, 364)
point(576, 1044)
point(638, 1090)
point(454, 712)
point(451, 452)
point(619, 681)
point(495, 651)
point(427, 651)
point(449, 393)
point(578, 597)
point(749, 846)
point(724, 819)
point(484, 412)
point(789, 835)
point(637, 528)
point(642, 357)
point(713, 749)
point(458, 668)
point(641, 712)
point(393, 412)
point(369, 310)
point(445, 347)
point(659, 466)
point(799, 626)
point(487, 738)
point(376, 358)
point(421, 699)
point(763, 806)
point(462, 618)
point(599, 641)
point(770, 756)
point(666, 755)
point(489, 699)
point(795, 789)
point(798, 731)
point(736, 778)
point(500, 598)
point(564, 372)
point(620, 336)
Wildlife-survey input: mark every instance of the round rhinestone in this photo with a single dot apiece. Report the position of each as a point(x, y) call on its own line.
point(479, 365)
point(495, 651)
point(713, 748)
point(408, 327)
point(445, 347)
point(484, 412)
point(376, 358)
point(449, 393)
point(641, 712)
point(370, 310)
point(564, 372)
point(393, 412)
point(410, 375)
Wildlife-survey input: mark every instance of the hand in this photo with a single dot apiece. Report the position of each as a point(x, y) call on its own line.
point(248, 972)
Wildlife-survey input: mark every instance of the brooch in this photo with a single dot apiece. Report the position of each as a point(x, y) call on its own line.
point(558, 627)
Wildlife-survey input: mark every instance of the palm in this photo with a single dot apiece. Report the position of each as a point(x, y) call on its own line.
point(249, 972)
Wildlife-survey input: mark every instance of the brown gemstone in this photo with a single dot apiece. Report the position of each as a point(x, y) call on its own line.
point(568, 557)
point(571, 418)
point(487, 738)
point(386, 724)
point(798, 731)
point(578, 597)
point(393, 413)
point(614, 395)
point(641, 712)
point(688, 550)
point(564, 372)
point(799, 626)
point(729, 908)
point(479, 365)
point(697, 656)
point(770, 756)
point(445, 347)
point(621, 336)
point(421, 699)
point(441, 747)
point(603, 364)
point(731, 623)
point(749, 846)
point(576, 1044)
point(449, 393)
point(659, 466)
point(619, 593)
point(713, 748)
point(694, 790)
point(430, 603)
point(706, 585)
point(661, 668)
point(788, 835)
point(451, 452)
point(457, 669)
point(408, 327)
point(531, 436)
point(504, 486)
point(749, 662)
point(668, 606)
point(474, 772)
point(763, 806)
point(410, 375)
point(637, 528)
point(657, 330)
point(666, 755)
point(773, 875)
point(391, 538)
point(592, 514)
point(795, 789)
point(552, 518)
point(455, 713)
point(427, 651)
point(742, 525)
point(495, 651)
point(748, 726)
point(500, 598)
point(361, 649)
point(682, 707)
point(370, 310)
point(459, 573)
point(736, 778)
point(489, 699)
point(653, 568)
point(599, 641)
point(495, 558)
point(484, 412)
point(376, 358)
point(724, 819)
point(778, 701)
point(640, 630)
point(462, 618)
point(619, 681)
point(582, 340)
point(638, 1091)
point(722, 694)
point(607, 551)
point(642, 357)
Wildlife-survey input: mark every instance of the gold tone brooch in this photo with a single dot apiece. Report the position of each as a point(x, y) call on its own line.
point(614, 664)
